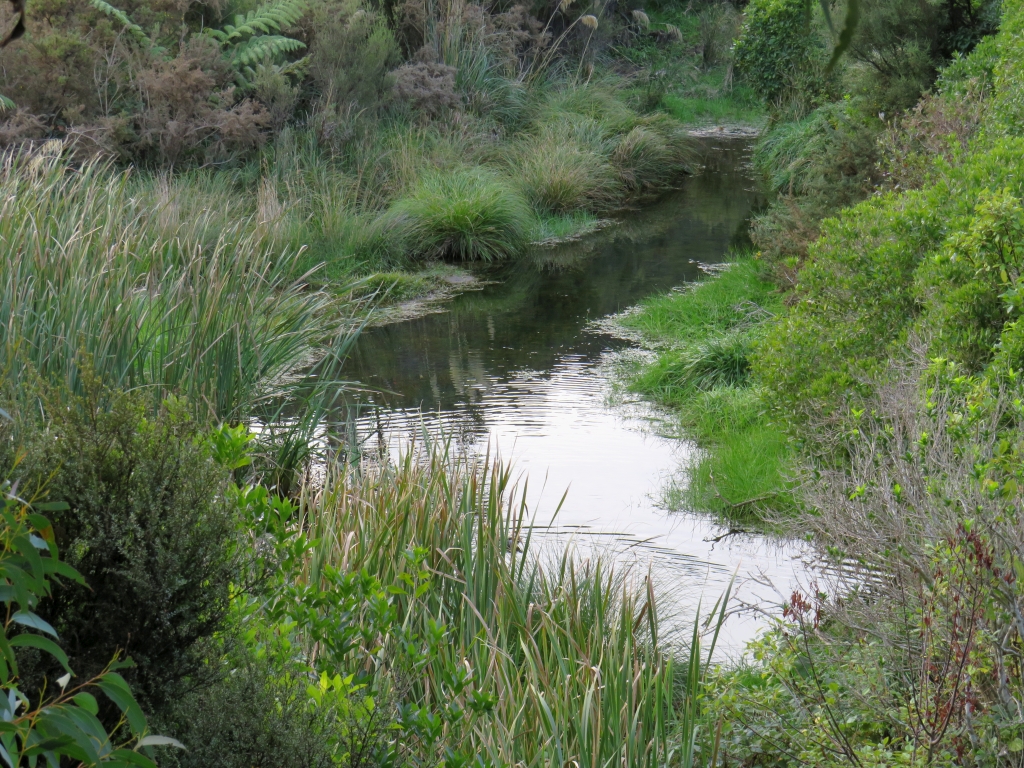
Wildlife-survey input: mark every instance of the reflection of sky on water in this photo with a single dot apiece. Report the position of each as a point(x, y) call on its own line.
point(517, 368)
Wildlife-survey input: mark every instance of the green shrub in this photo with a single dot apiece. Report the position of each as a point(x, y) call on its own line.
point(464, 214)
point(974, 285)
point(875, 267)
point(257, 716)
point(61, 725)
point(148, 526)
point(776, 48)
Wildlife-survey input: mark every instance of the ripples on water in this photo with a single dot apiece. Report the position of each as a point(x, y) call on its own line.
point(520, 368)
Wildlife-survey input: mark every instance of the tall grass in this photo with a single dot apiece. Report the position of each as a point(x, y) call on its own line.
point(706, 334)
point(571, 651)
point(193, 306)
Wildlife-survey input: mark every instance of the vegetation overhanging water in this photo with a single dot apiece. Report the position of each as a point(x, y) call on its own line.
point(525, 368)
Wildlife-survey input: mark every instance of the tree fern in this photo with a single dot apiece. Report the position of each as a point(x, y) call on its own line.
point(246, 75)
point(264, 48)
point(252, 40)
point(134, 29)
point(268, 18)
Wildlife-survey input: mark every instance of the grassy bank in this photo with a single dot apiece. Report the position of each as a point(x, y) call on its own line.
point(403, 198)
point(704, 336)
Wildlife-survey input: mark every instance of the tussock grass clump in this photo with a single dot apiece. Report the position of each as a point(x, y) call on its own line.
point(653, 155)
point(560, 177)
point(715, 362)
point(468, 213)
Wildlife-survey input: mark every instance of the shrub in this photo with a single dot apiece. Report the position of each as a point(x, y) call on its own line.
point(62, 725)
point(869, 276)
point(427, 88)
point(464, 214)
point(776, 48)
point(973, 286)
point(351, 54)
point(257, 716)
point(148, 526)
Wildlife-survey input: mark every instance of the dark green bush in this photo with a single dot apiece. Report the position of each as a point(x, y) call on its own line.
point(255, 717)
point(149, 527)
point(778, 51)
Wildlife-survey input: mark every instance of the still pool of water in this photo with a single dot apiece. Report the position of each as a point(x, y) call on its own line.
point(523, 368)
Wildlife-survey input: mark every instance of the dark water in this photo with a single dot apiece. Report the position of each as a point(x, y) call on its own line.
point(522, 368)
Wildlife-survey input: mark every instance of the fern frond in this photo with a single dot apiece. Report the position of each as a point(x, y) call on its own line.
point(5, 104)
point(264, 48)
point(269, 18)
point(296, 69)
point(134, 29)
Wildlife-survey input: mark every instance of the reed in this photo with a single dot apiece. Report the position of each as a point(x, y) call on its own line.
point(570, 651)
point(191, 306)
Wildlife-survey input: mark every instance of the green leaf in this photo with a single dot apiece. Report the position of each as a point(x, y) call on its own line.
point(132, 758)
point(52, 506)
point(87, 702)
point(159, 741)
point(117, 690)
point(57, 719)
point(43, 644)
point(29, 619)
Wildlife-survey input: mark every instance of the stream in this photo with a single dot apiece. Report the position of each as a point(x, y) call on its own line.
point(524, 368)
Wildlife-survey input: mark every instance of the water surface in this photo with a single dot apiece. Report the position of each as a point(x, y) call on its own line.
point(523, 368)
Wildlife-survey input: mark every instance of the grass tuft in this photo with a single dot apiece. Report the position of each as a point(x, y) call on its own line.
point(561, 177)
point(468, 213)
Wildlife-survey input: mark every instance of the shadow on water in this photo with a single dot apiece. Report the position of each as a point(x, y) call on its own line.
point(521, 367)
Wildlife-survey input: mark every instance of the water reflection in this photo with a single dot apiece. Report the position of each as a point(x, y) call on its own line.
point(520, 368)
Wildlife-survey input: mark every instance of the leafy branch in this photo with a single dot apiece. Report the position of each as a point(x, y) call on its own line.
point(65, 726)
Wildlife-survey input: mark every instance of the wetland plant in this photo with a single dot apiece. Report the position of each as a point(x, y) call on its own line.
point(537, 661)
point(466, 213)
point(146, 301)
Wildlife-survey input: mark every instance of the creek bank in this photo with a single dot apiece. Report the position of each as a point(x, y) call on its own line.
point(701, 336)
point(524, 368)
